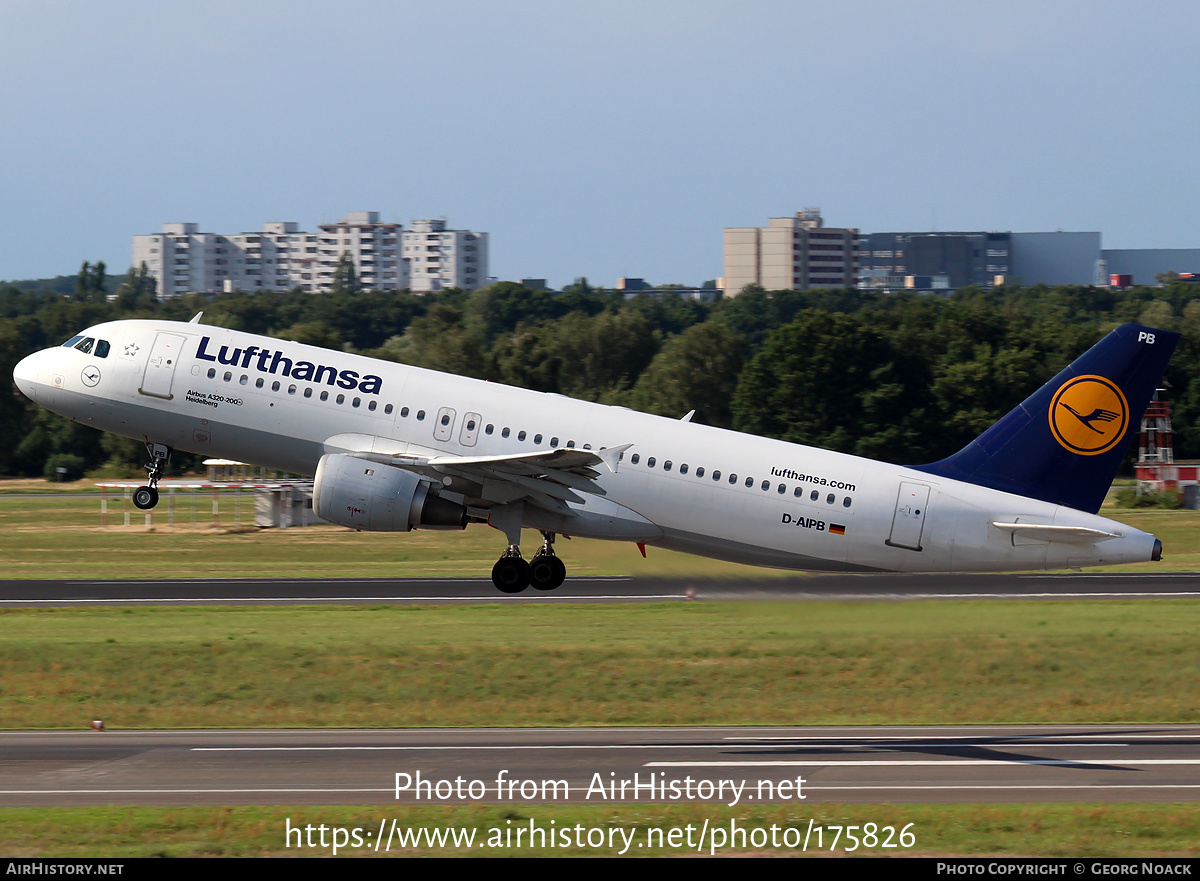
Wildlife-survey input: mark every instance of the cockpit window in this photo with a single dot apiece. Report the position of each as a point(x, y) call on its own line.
point(85, 346)
point(70, 344)
point(102, 348)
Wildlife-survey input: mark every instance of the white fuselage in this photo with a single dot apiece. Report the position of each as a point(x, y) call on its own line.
point(787, 506)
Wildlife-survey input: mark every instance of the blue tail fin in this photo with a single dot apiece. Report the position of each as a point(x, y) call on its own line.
point(1064, 443)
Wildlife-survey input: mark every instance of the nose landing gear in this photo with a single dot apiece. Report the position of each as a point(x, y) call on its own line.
point(146, 497)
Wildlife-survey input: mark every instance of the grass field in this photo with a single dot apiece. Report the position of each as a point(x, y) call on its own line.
point(644, 664)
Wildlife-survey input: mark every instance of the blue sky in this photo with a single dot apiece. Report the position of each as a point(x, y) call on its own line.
point(606, 138)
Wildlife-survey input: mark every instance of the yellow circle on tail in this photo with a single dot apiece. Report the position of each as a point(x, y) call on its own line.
point(1088, 415)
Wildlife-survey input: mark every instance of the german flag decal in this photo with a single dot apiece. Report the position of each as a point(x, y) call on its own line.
point(837, 529)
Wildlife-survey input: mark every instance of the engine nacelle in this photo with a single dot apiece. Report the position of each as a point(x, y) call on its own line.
point(365, 495)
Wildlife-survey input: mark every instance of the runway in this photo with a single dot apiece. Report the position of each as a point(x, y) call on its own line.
point(732, 766)
point(372, 591)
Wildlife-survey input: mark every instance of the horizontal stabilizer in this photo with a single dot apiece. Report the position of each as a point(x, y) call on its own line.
point(1075, 535)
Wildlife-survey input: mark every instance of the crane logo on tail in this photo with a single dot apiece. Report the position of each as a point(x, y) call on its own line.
point(1089, 415)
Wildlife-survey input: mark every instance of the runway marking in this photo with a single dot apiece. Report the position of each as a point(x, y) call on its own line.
point(632, 746)
point(370, 599)
point(851, 595)
point(448, 579)
point(938, 741)
point(899, 763)
point(808, 787)
point(285, 749)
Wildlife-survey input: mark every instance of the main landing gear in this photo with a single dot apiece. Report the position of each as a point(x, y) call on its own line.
point(545, 571)
point(146, 497)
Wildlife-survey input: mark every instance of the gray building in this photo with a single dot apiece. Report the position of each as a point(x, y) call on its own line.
point(1146, 263)
point(963, 258)
point(1054, 258)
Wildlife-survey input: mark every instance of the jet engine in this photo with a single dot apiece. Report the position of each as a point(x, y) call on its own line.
point(366, 495)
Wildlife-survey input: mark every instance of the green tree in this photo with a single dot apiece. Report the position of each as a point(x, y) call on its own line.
point(696, 370)
point(437, 341)
point(345, 276)
point(829, 381)
point(138, 291)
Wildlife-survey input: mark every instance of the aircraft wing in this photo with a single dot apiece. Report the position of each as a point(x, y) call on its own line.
point(546, 478)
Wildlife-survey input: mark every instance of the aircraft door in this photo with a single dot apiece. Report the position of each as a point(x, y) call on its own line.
point(160, 366)
point(443, 429)
point(470, 429)
point(908, 523)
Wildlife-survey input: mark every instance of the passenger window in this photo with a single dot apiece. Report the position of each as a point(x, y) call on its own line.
point(732, 479)
point(275, 386)
point(814, 495)
point(521, 436)
point(683, 469)
point(587, 446)
point(212, 373)
point(470, 425)
point(846, 502)
point(356, 402)
point(716, 475)
point(667, 465)
point(244, 380)
point(388, 409)
point(537, 439)
point(829, 499)
point(445, 419)
point(766, 485)
point(324, 396)
point(371, 405)
point(308, 393)
point(635, 458)
point(420, 415)
point(504, 432)
point(782, 489)
point(404, 412)
point(749, 481)
point(228, 376)
point(571, 444)
point(291, 390)
point(650, 462)
point(798, 492)
point(102, 348)
point(554, 442)
point(258, 383)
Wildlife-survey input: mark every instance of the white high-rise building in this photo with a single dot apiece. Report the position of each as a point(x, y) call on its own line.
point(440, 258)
point(281, 257)
point(373, 246)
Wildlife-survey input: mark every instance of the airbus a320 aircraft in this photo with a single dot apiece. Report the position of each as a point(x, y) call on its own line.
point(394, 447)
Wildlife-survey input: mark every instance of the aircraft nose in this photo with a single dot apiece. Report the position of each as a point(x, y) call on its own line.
point(25, 375)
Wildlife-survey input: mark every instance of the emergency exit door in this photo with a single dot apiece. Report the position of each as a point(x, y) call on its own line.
point(908, 522)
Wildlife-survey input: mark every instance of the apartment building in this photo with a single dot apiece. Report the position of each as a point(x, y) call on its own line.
point(440, 258)
point(281, 257)
point(790, 253)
